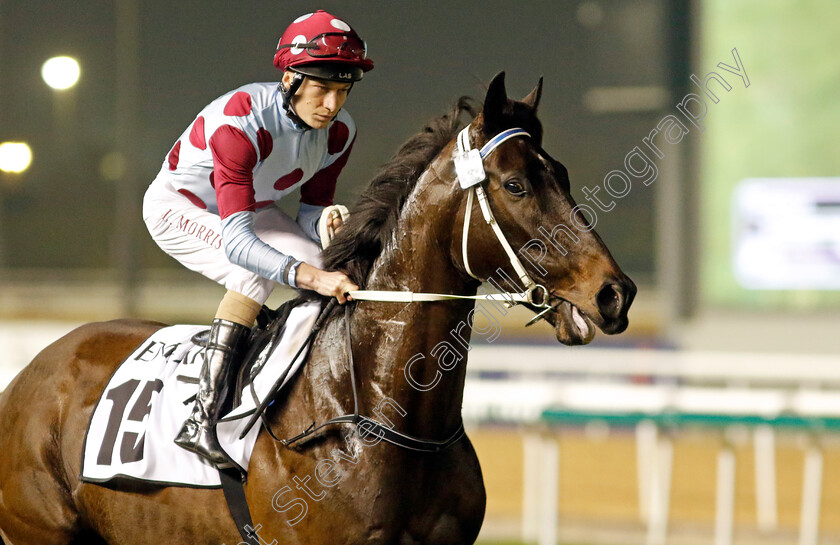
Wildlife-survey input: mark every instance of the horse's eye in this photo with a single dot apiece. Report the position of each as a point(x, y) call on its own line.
point(515, 187)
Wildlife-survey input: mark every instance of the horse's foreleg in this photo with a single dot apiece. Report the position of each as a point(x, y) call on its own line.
point(17, 531)
point(35, 505)
point(34, 510)
point(84, 538)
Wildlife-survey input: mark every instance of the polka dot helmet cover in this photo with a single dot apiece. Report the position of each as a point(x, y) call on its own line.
point(321, 38)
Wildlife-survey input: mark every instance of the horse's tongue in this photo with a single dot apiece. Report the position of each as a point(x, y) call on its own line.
point(581, 324)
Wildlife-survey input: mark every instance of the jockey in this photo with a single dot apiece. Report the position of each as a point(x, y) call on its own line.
point(212, 206)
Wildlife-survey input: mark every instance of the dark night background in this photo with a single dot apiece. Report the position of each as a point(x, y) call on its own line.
point(61, 212)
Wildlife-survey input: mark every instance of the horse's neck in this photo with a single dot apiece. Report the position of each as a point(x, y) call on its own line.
point(398, 346)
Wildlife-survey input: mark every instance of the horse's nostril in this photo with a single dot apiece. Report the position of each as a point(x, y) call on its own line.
point(610, 300)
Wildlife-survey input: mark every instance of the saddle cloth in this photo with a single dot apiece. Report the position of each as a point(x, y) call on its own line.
point(147, 399)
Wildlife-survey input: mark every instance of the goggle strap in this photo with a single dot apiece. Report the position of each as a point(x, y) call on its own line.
point(307, 45)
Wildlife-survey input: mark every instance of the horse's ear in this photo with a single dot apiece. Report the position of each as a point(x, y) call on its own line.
point(533, 98)
point(495, 101)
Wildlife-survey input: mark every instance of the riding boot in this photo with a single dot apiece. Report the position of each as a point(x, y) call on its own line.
point(198, 433)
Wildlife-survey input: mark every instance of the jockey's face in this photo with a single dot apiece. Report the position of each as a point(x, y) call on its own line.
point(317, 101)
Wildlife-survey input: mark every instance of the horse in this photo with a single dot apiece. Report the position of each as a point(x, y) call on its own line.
point(340, 485)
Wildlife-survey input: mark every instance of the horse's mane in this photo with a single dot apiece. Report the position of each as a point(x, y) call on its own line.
point(375, 214)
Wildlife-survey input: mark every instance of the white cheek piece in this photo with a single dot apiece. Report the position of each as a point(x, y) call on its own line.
point(470, 174)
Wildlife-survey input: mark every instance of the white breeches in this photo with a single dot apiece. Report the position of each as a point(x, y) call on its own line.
point(194, 237)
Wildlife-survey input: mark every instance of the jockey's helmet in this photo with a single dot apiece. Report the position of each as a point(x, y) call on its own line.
point(323, 46)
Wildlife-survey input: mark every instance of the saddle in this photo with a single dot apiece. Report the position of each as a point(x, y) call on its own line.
point(255, 352)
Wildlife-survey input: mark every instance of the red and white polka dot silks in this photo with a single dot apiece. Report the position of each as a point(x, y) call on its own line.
point(243, 153)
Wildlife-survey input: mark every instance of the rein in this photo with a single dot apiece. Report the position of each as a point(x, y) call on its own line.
point(371, 426)
point(469, 168)
point(368, 425)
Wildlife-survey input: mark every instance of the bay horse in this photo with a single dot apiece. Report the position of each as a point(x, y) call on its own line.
point(405, 234)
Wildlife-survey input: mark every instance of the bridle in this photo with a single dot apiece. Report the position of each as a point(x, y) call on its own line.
point(469, 168)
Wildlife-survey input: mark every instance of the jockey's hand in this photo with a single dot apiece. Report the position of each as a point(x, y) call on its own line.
point(329, 283)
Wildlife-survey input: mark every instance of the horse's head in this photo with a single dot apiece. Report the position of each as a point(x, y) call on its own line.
point(529, 195)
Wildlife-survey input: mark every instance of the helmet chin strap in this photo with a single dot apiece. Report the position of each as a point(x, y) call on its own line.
point(288, 94)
